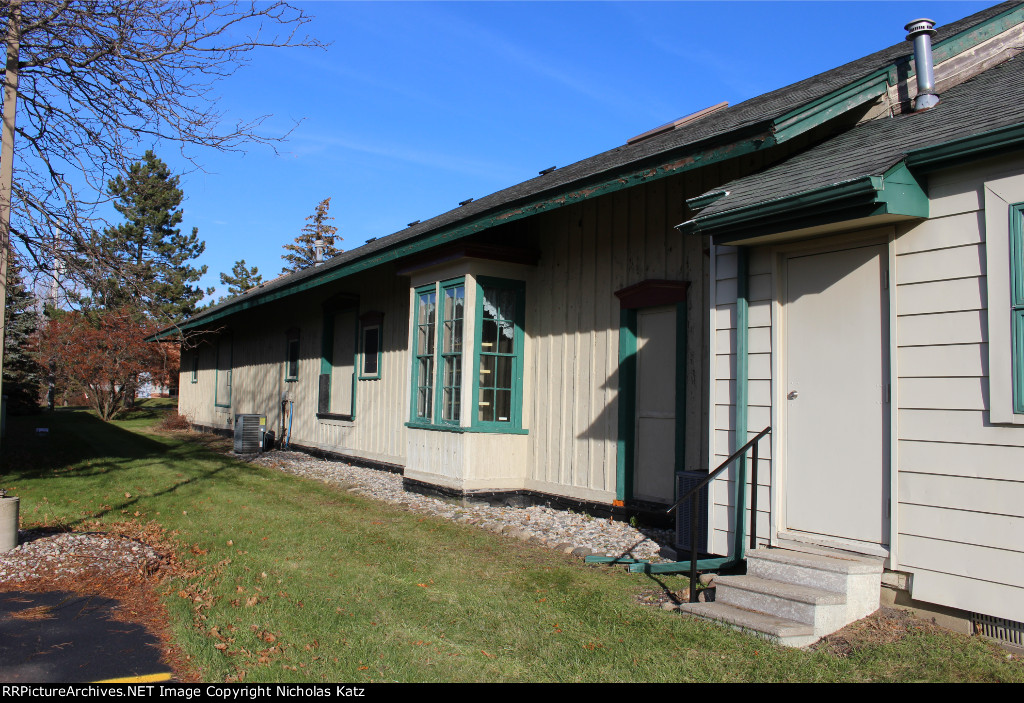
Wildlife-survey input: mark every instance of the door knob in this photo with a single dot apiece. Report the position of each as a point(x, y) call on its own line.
point(793, 395)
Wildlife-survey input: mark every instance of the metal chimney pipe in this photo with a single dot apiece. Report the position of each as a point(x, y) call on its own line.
point(921, 32)
point(318, 251)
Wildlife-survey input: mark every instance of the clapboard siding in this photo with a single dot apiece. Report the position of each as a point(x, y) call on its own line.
point(941, 264)
point(947, 360)
point(995, 531)
point(960, 483)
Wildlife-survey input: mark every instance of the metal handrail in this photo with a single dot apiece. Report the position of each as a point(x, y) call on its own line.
point(693, 494)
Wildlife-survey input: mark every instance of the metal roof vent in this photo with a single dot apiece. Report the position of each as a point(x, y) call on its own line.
point(921, 31)
point(318, 251)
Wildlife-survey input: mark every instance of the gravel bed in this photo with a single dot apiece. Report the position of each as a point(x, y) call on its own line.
point(568, 531)
point(71, 554)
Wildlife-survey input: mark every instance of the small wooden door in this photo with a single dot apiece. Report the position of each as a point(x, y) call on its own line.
point(655, 461)
point(837, 397)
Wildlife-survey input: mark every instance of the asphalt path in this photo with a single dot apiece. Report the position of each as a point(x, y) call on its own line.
point(61, 637)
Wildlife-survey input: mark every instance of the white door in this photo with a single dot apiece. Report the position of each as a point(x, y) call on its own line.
point(836, 368)
point(655, 463)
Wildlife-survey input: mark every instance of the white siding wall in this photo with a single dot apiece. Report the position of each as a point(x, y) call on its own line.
point(960, 484)
point(959, 512)
point(759, 295)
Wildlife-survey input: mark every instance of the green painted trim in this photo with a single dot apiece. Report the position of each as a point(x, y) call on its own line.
point(1017, 303)
point(902, 193)
point(625, 443)
point(438, 415)
point(958, 151)
point(517, 344)
point(681, 357)
point(414, 376)
point(465, 430)
point(595, 559)
point(702, 201)
point(329, 310)
point(837, 102)
point(195, 366)
point(742, 380)
point(972, 36)
point(680, 567)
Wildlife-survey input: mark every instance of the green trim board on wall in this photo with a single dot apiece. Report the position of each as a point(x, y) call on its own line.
point(1017, 303)
point(496, 358)
point(625, 458)
point(330, 310)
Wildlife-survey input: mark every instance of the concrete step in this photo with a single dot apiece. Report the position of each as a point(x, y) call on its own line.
point(858, 579)
point(824, 610)
point(770, 627)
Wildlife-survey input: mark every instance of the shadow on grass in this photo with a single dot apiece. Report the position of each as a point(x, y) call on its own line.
point(75, 444)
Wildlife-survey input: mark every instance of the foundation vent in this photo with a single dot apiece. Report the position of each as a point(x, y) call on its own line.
point(1008, 632)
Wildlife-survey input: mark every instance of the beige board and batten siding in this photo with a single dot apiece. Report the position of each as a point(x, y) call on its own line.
point(589, 251)
point(258, 340)
point(960, 482)
point(759, 399)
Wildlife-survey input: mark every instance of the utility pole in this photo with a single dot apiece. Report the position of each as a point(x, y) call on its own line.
point(7, 161)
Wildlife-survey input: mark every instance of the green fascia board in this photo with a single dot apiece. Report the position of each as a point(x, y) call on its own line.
point(818, 112)
point(958, 151)
point(972, 36)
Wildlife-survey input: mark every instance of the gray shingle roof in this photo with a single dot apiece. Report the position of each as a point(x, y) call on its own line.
point(988, 101)
point(756, 113)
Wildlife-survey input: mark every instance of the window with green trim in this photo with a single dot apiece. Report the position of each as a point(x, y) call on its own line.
point(424, 337)
point(437, 353)
point(195, 366)
point(498, 381)
point(494, 362)
point(1017, 302)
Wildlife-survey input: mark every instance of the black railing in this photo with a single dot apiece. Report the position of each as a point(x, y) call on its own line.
point(693, 494)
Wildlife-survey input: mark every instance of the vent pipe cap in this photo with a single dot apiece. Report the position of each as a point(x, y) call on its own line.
point(920, 26)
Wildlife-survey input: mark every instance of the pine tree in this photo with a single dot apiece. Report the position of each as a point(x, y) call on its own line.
point(302, 254)
point(241, 278)
point(23, 376)
point(144, 262)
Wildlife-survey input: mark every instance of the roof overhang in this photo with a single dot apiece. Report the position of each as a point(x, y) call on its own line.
point(892, 196)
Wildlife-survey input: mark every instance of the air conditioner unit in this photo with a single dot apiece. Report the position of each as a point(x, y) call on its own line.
point(685, 480)
point(249, 431)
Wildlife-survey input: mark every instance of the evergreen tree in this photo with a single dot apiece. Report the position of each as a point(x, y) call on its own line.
point(23, 376)
point(302, 254)
point(144, 262)
point(241, 279)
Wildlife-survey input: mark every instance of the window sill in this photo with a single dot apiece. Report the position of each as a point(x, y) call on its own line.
point(335, 416)
point(292, 380)
point(465, 430)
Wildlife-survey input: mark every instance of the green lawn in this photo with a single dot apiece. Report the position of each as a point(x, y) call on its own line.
point(302, 582)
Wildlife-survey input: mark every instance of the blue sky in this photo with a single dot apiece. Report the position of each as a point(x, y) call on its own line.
point(417, 106)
